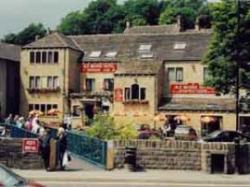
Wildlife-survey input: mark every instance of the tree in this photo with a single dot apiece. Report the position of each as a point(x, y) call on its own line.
point(73, 23)
point(230, 45)
point(101, 16)
point(27, 35)
point(143, 12)
point(188, 9)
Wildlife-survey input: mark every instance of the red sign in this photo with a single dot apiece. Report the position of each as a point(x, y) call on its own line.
point(30, 145)
point(99, 68)
point(191, 88)
point(118, 95)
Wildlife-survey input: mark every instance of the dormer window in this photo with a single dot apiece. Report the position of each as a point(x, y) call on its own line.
point(111, 54)
point(180, 45)
point(95, 54)
point(145, 47)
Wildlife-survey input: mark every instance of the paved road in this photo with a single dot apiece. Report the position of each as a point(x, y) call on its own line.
point(107, 184)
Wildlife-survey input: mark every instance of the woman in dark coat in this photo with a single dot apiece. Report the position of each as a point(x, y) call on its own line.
point(62, 144)
point(45, 147)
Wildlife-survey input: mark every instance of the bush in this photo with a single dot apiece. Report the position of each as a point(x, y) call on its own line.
point(104, 127)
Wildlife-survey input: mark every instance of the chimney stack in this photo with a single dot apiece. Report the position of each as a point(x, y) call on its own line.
point(179, 23)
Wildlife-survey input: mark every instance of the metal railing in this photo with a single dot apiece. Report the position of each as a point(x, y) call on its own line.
point(16, 132)
point(91, 149)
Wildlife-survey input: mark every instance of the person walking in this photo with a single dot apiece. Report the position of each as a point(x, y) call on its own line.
point(45, 147)
point(62, 145)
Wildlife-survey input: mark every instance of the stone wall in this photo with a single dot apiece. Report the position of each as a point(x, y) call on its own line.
point(11, 155)
point(182, 155)
point(161, 154)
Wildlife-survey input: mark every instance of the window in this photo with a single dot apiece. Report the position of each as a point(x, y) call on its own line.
point(111, 54)
point(95, 54)
point(43, 108)
point(143, 94)
point(90, 84)
point(205, 74)
point(108, 84)
point(56, 57)
point(44, 57)
point(135, 92)
point(180, 45)
point(32, 82)
point(50, 82)
point(38, 57)
point(145, 47)
point(175, 74)
point(171, 74)
point(37, 82)
point(32, 57)
point(37, 107)
point(49, 57)
point(127, 93)
point(31, 107)
point(55, 82)
point(179, 74)
point(43, 82)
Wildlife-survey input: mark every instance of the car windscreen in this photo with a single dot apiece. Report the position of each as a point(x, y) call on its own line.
point(8, 178)
point(214, 134)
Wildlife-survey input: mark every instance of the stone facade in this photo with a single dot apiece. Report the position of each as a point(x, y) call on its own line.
point(12, 156)
point(181, 155)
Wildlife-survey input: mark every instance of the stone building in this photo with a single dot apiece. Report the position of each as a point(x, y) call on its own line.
point(149, 74)
point(9, 78)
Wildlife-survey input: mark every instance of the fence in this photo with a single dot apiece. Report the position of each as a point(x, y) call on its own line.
point(91, 149)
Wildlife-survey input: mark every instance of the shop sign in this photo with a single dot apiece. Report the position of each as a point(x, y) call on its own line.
point(30, 145)
point(118, 95)
point(99, 68)
point(191, 88)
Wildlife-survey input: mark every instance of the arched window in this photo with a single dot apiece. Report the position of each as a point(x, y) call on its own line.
point(135, 91)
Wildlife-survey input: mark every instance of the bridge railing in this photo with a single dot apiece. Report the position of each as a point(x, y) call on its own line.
point(91, 149)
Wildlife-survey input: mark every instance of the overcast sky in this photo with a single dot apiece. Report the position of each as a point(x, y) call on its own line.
point(17, 14)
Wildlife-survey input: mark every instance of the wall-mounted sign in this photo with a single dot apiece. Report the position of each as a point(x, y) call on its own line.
point(118, 95)
point(99, 68)
point(190, 88)
point(30, 145)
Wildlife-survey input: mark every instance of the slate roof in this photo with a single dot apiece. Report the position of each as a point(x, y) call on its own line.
point(152, 29)
point(10, 52)
point(198, 104)
point(127, 45)
point(138, 67)
point(54, 40)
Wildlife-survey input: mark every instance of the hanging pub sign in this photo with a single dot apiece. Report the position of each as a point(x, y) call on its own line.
point(30, 145)
point(118, 95)
point(99, 68)
point(190, 88)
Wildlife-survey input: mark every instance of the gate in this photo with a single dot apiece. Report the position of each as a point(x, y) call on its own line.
point(90, 149)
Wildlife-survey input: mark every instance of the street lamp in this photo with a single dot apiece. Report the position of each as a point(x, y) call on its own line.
point(237, 60)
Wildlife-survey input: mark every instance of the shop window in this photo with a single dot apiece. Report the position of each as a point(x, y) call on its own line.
point(44, 57)
point(135, 91)
point(90, 85)
point(56, 57)
point(108, 84)
point(32, 57)
point(38, 57)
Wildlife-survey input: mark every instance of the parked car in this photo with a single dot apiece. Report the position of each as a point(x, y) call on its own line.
point(225, 136)
point(9, 178)
point(185, 132)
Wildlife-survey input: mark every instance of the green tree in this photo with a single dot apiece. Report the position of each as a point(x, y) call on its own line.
point(229, 45)
point(27, 35)
point(73, 23)
point(188, 9)
point(143, 12)
point(104, 127)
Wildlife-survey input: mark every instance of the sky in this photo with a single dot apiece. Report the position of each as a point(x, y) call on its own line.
point(15, 15)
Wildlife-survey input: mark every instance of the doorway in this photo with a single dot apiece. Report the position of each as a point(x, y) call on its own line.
point(217, 163)
point(89, 112)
